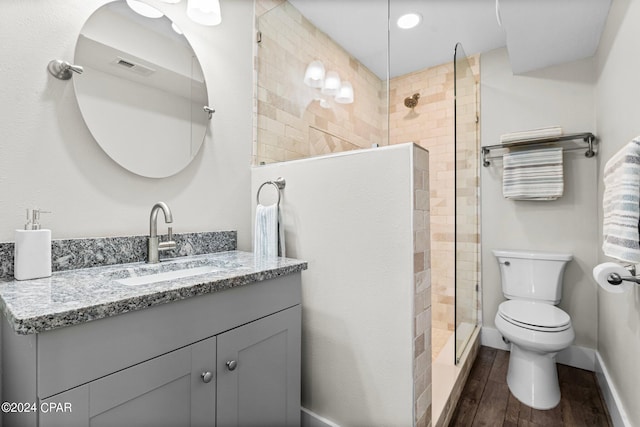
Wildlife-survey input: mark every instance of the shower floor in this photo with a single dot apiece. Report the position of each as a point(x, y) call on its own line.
point(444, 372)
point(439, 339)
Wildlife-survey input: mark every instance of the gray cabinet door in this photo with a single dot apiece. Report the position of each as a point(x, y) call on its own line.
point(259, 372)
point(165, 391)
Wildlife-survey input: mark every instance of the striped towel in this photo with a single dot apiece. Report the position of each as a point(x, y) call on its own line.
point(621, 204)
point(533, 174)
point(548, 132)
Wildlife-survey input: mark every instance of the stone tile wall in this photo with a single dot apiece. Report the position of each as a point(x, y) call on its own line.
point(296, 121)
point(422, 290)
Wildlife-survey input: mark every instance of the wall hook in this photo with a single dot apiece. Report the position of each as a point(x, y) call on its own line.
point(63, 70)
point(209, 111)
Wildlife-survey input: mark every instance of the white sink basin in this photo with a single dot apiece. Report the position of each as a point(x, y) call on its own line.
point(167, 275)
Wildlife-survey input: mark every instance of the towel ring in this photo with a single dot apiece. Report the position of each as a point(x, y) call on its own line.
point(278, 183)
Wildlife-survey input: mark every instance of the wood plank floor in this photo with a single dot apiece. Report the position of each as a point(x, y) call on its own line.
point(486, 400)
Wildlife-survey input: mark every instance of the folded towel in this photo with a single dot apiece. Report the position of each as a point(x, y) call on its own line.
point(621, 204)
point(281, 246)
point(266, 231)
point(548, 132)
point(533, 174)
point(269, 232)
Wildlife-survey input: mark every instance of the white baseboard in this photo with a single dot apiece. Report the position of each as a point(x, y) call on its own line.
point(491, 337)
point(616, 410)
point(576, 356)
point(311, 419)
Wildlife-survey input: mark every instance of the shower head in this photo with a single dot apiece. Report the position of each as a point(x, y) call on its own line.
point(411, 102)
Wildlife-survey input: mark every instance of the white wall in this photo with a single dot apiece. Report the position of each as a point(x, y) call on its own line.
point(618, 110)
point(350, 216)
point(49, 159)
point(564, 96)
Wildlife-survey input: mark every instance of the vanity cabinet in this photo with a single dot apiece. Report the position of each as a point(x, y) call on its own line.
point(258, 372)
point(164, 391)
point(233, 359)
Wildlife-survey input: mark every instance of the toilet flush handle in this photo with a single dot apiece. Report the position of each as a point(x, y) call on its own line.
point(507, 263)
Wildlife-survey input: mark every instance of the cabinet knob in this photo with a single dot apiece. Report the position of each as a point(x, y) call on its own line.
point(206, 376)
point(231, 365)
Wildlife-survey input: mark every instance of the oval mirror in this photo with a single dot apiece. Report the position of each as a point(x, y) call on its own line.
point(142, 93)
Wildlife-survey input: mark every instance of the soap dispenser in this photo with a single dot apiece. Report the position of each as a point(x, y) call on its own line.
point(32, 257)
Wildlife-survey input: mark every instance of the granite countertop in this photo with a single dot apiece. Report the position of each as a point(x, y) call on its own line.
point(77, 296)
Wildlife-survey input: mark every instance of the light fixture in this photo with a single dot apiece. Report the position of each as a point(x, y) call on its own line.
point(345, 95)
point(331, 84)
point(144, 9)
point(314, 75)
point(409, 20)
point(204, 12)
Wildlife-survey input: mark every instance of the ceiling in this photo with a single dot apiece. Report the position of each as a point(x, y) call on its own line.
point(537, 33)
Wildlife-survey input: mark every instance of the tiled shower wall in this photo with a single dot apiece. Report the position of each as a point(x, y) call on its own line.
point(422, 289)
point(292, 123)
point(431, 125)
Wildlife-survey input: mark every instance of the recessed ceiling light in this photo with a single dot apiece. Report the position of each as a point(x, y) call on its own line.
point(409, 20)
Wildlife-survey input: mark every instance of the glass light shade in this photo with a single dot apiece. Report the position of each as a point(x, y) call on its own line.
point(331, 83)
point(408, 21)
point(314, 75)
point(345, 95)
point(204, 12)
point(144, 9)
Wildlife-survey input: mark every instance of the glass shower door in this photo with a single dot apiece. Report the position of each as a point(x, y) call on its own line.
point(467, 234)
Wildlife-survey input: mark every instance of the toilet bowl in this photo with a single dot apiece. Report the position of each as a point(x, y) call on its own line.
point(536, 329)
point(537, 332)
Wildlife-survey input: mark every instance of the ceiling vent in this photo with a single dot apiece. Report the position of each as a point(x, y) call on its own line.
point(133, 66)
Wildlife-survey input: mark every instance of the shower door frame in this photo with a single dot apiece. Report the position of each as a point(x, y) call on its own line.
point(461, 342)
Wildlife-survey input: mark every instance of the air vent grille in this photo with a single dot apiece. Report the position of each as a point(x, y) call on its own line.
point(133, 66)
point(125, 63)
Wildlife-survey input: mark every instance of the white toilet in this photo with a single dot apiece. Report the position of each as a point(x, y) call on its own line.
point(537, 330)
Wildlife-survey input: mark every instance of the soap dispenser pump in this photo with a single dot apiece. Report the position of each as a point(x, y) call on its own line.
point(32, 256)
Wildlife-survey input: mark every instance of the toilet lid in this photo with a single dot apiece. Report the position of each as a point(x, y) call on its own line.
point(534, 315)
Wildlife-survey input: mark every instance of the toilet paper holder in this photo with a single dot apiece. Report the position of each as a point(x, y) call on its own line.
point(616, 279)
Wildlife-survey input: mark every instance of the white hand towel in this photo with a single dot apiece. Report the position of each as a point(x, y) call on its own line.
point(266, 231)
point(621, 204)
point(282, 252)
point(265, 243)
point(533, 174)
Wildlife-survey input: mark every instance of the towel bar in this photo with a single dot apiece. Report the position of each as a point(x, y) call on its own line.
point(587, 137)
point(279, 183)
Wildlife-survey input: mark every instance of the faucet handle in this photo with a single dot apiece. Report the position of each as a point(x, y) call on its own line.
point(169, 243)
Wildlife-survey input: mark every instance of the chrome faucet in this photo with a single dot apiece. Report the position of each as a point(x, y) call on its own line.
point(155, 246)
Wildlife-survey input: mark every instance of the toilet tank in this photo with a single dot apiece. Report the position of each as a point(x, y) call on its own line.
point(532, 275)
